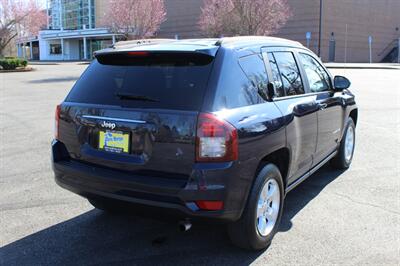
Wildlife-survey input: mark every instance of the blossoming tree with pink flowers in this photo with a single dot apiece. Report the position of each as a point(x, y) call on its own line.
point(134, 18)
point(19, 18)
point(243, 17)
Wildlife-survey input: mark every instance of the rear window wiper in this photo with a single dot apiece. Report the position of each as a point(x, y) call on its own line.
point(127, 96)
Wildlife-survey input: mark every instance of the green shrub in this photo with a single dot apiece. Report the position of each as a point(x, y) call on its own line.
point(23, 62)
point(12, 63)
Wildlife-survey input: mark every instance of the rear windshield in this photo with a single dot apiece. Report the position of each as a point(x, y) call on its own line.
point(170, 81)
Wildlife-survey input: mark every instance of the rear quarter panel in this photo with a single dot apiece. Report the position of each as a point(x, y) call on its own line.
point(261, 131)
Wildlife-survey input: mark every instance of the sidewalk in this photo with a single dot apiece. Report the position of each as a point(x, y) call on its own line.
point(363, 65)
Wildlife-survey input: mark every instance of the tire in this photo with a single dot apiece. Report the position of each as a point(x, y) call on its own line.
point(245, 232)
point(344, 157)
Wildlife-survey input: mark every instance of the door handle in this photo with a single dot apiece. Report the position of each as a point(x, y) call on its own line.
point(322, 106)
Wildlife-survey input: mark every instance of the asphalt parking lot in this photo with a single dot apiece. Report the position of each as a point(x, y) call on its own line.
point(350, 218)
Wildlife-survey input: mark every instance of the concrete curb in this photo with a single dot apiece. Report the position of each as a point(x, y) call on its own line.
point(26, 69)
point(362, 66)
point(343, 67)
point(58, 62)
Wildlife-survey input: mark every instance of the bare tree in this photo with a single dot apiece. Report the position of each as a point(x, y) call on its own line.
point(19, 18)
point(134, 18)
point(243, 17)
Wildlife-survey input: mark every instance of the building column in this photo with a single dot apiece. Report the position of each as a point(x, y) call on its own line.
point(85, 48)
point(23, 50)
point(48, 13)
point(90, 14)
point(60, 14)
point(31, 50)
point(113, 39)
point(62, 49)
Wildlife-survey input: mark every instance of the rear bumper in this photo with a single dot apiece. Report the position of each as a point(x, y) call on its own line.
point(214, 182)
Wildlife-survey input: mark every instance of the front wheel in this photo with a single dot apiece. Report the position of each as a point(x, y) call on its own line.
point(261, 217)
point(344, 157)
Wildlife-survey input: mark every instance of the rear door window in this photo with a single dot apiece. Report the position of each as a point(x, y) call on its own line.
point(289, 73)
point(170, 81)
point(276, 76)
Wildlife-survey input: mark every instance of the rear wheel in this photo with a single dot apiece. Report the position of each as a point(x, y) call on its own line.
point(261, 217)
point(345, 153)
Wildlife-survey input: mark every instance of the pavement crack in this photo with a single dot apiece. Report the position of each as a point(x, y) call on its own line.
point(365, 203)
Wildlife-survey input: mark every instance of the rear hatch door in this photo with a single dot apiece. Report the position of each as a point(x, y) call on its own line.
point(137, 112)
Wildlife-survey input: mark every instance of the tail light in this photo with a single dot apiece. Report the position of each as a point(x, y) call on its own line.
point(216, 140)
point(138, 53)
point(56, 121)
point(210, 205)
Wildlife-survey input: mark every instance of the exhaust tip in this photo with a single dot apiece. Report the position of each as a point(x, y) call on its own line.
point(185, 225)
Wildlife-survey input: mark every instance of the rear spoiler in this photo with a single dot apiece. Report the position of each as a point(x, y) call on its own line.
point(159, 46)
point(145, 57)
point(109, 51)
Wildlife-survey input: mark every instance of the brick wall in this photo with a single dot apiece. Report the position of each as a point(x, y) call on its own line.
point(378, 18)
point(182, 19)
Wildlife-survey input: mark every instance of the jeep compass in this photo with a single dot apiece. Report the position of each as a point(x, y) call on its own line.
point(212, 128)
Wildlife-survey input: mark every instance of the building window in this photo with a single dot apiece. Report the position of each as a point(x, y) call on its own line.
point(71, 14)
point(55, 48)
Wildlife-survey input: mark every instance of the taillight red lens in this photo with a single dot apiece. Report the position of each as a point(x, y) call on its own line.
point(216, 140)
point(56, 121)
point(210, 205)
point(138, 53)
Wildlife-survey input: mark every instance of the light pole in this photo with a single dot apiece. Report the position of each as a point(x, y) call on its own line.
point(370, 48)
point(398, 51)
point(320, 28)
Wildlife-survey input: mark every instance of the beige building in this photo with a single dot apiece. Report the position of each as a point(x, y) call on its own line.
point(379, 19)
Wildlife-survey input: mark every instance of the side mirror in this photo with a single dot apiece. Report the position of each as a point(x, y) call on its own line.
point(341, 83)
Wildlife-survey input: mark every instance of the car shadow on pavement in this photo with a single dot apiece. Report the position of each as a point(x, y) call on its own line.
point(299, 197)
point(96, 237)
point(53, 80)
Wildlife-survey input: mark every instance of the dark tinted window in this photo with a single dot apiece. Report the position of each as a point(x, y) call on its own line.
point(234, 88)
point(55, 48)
point(289, 72)
point(254, 68)
point(173, 81)
point(276, 76)
point(317, 77)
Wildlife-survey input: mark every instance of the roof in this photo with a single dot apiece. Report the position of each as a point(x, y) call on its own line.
point(205, 45)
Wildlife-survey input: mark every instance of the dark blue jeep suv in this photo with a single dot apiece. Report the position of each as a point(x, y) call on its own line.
point(214, 128)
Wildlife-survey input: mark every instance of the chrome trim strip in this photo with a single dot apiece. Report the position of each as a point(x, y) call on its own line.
point(309, 173)
point(115, 119)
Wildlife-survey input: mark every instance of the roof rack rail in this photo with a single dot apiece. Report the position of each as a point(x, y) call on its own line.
point(140, 42)
point(219, 42)
point(238, 39)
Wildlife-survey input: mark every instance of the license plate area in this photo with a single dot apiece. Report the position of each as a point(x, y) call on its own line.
point(114, 141)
